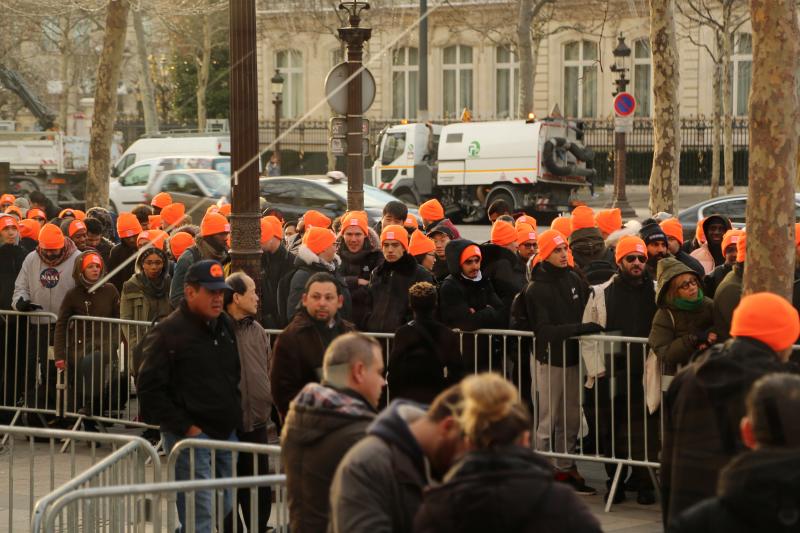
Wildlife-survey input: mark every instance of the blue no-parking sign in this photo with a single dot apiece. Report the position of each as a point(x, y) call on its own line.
point(624, 104)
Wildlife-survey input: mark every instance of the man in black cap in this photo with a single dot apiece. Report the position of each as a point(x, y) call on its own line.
point(440, 235)
point(657, 245)
point(189, 381)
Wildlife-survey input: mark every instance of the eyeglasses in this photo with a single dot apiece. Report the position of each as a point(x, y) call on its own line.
point(688, 283)
point(528, 245)
point(154, 263)
point(634, 258)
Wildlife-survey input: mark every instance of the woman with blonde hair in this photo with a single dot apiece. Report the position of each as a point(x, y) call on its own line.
point(500, 484)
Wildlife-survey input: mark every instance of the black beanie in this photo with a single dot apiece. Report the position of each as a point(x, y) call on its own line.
point(652, 232)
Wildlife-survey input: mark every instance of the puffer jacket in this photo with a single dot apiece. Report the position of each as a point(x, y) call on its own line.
point(87, 338)
point(758, 491)
point(676, 333)
point(307, 263)
point(143, 301)
point(388, 293)
point(703, 407)
point(509, 489)
point(254, 357)
point(43, 284)
point(323, 423)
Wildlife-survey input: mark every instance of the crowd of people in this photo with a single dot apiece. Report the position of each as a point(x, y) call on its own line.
point(355, 462)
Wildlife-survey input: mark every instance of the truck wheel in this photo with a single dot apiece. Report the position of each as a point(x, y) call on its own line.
point(500, 195)
point(407, 198)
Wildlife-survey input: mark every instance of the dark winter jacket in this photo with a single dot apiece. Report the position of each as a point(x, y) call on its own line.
point(505, 270)
point(298, 356)
point(104, 247)
point(702, 410)
point(118, 255)
point(388, 293)
point(425, 360)
point(555, 300)
point(676, 334)
point(190, 375)
point(757, 491)
point(712, 281)
point(726, 300)
point(87, 338)
point(378, 484)
point(254, 358)
point(273, 267)
point(28, 244)
point(322, 425)
point(201, 249)
point(307, 263)
point(440, 270)
point(11, 258)
point(510, 489)
point(359, 266)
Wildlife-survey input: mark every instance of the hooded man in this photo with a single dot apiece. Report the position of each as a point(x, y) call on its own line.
point(89, 350)
point(657, 245)
point(432, 215)
point(300, 347)
point(555, 301)
point(378, 484)
point(468, 301)
point(317, 253)
point(128, 229)
point(390, 281)
point(500, 263)
point(759, 490)
point(625, 305)
point(359, 250)
point(673, 229)
point(211, 244)
point(42, 284)
point(324, 421)
point(729, 242)
point(729, 292)
point(705, 403)
point(710, 253)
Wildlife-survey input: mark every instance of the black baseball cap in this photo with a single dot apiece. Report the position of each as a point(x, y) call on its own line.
point(441, 228)
point(207, 273)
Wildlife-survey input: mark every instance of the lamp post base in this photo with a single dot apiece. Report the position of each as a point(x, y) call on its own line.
point(624, 207)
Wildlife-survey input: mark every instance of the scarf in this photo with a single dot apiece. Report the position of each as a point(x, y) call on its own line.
point(68, 249)
point(155, 288)
point(689, 305)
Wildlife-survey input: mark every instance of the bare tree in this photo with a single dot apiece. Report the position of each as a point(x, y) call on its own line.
point(724, 18)
point(774, 115)
point(146, 87)
point(666, 109)
point(105, 102)
point(528, 48)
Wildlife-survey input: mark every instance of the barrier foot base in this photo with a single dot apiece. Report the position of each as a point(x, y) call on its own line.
point(656, 484)
point(613, 490)
point(74, 427)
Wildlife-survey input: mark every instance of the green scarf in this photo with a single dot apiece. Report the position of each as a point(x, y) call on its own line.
point(689, 305)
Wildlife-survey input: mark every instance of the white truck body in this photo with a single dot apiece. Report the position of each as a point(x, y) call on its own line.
point(48, 151)
point(530, 164)
point(166, 145)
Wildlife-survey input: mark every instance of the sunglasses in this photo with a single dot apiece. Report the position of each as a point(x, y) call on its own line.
point(634, 258)
point(528, 245)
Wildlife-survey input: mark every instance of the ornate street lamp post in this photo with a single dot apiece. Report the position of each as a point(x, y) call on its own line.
point(277, 93)
point(621, 54)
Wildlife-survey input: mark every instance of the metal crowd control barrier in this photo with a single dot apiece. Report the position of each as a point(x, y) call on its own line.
point(35, 468)
point(114, 506)
point(28, 370)
point(238, 451)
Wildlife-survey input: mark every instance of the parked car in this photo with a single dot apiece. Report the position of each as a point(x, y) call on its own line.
point(734, 207)
point(293, 196)
point(128, 190)
point(197, 189)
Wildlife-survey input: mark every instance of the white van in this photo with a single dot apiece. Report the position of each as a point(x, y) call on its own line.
point(129, 189)
point(169, 145)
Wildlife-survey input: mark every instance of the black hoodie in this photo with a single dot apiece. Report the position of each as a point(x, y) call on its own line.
point(758, 491)
point(505, 270)
point(716, 248)
point(388, 293)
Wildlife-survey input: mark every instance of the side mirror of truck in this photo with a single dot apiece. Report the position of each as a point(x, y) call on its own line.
point(114, 172)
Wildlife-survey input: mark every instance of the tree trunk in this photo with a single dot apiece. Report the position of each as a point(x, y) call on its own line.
point(146, 88)
point(716, 122)
point(63, 98)
point(527, 67)
point(105, 102)
point(727, 107)
point(666, 110)
point(203, 72)
point(774, 118)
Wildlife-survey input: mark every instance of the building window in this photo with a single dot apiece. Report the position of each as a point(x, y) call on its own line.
point(290, 63)
point(405, 82)
point(580, 79)
point(506, 82)
point(457, 79)
point(742, 62)
point(642, 77)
